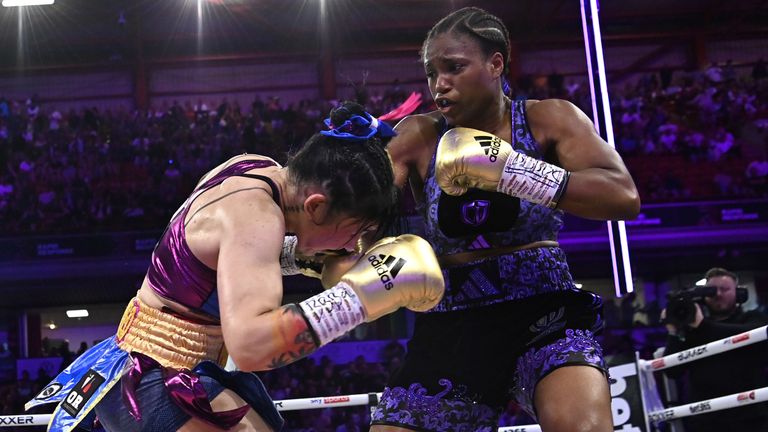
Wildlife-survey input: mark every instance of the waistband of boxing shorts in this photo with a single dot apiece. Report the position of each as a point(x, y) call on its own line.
point(463, 258)
point(172, 341)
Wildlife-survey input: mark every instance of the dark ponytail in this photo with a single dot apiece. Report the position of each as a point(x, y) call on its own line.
point(351, 166)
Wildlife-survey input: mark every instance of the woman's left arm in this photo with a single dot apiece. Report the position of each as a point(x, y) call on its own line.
point(259, 333)
point(600, 187)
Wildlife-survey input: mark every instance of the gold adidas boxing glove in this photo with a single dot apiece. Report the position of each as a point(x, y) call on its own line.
point(395, 272)
point(470, 158)
point(334, 267)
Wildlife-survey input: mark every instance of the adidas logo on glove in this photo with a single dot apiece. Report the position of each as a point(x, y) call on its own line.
point(490, 144)
point(387, 267)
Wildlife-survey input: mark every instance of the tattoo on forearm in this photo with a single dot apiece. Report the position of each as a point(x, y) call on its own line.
point(298, 341)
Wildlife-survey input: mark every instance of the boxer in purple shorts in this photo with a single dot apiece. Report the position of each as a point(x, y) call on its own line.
point(492, 177)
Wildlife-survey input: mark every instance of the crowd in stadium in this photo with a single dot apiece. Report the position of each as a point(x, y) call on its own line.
point(684, 136)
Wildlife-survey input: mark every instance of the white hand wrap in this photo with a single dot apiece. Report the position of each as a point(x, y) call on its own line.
point(288, 265)
point(333, 312)
point(533, 180)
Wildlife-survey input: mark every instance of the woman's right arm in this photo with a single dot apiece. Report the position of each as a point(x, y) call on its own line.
point(410, 150)
point(258, 332)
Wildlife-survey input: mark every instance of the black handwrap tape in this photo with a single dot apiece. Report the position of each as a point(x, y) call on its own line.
point(315, 338)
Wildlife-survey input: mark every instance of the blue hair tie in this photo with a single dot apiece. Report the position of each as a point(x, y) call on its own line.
point(366, 127)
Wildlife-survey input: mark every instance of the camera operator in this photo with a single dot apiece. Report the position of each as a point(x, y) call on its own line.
point(717, 315)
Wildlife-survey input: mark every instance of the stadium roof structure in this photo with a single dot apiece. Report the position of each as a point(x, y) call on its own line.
point(83, 32)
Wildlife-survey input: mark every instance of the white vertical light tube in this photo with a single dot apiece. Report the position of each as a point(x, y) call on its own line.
point(601, 110)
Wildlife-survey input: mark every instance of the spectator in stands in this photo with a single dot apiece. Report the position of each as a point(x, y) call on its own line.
point(720, 144)
point(43, 378)
point(391, 351)
point(5, 110)
point(714, 73)
point(83, 348)
point(729, 71)
point(65, 354)
point(756, 176)
point(25, 387)
point(668, 137)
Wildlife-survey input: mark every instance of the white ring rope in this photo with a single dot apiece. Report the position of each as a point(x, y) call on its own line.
point(711, 405)
point(522, 428)
point(720, 346)
point(320, 402)
point(287, 405)
point(721, 403)
point(281, 405)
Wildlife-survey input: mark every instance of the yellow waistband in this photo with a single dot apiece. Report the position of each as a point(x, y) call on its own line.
point(172, 341)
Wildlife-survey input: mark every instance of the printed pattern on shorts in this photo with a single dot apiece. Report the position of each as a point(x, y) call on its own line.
point(448, 410)
point(516, 276)
point(577, 347)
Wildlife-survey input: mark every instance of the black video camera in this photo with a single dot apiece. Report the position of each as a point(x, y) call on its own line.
point(681, 308)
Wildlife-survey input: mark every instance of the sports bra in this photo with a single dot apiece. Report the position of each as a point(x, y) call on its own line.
point(175, 273)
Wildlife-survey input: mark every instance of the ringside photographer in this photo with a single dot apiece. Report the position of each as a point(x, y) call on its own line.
point(701, 315)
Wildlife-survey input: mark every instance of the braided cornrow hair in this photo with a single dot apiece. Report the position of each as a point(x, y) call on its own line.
point(356, 174)
point(487, 29)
